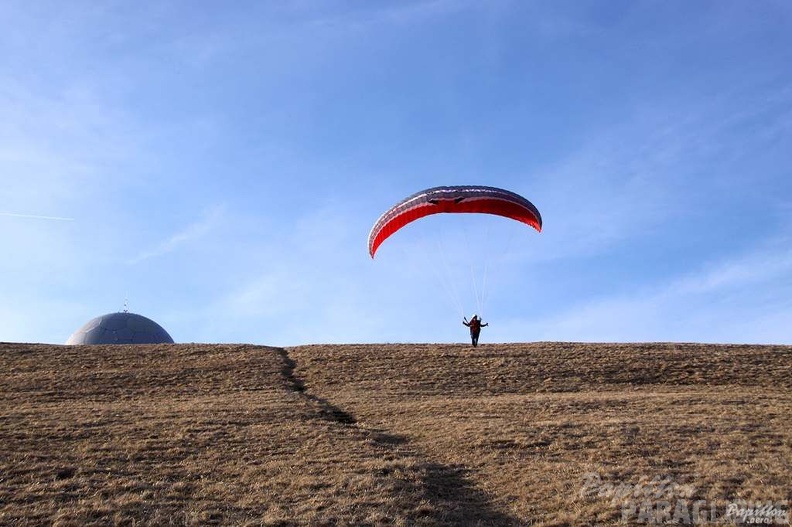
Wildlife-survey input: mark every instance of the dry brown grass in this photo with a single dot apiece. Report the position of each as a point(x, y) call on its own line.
point(191, 434)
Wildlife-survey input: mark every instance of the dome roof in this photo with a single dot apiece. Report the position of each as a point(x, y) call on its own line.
point(120, 328)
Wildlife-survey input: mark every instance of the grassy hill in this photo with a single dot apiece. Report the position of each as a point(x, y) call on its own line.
point(420, 434)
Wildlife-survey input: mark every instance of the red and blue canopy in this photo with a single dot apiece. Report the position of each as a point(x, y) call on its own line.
point(456, 199)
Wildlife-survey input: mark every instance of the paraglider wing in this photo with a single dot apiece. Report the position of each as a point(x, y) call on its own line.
point(458, 199)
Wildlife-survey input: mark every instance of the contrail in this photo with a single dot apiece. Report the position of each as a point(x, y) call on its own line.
point(35, 216)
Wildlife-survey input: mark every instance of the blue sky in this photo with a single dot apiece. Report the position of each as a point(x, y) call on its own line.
point(220, 167)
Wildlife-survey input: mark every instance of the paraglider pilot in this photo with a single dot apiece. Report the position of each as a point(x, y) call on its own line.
point(475, 326)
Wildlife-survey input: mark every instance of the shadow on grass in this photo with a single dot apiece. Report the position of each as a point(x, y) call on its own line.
point(450, 497)
point(455, 500)
point(388, 439)
point(295, 384)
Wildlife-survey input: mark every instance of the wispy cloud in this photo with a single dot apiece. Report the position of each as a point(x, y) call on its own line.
point(189, 234)
point(310, 281)
point(60, 144)
point(742, 299)
point(401, 14)
point(35, 216)
point(755, 268)
point(663, 164)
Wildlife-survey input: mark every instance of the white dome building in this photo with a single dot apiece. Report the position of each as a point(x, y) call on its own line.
point(120, 328)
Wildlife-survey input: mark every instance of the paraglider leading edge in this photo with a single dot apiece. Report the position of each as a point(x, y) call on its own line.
point(453, 199)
